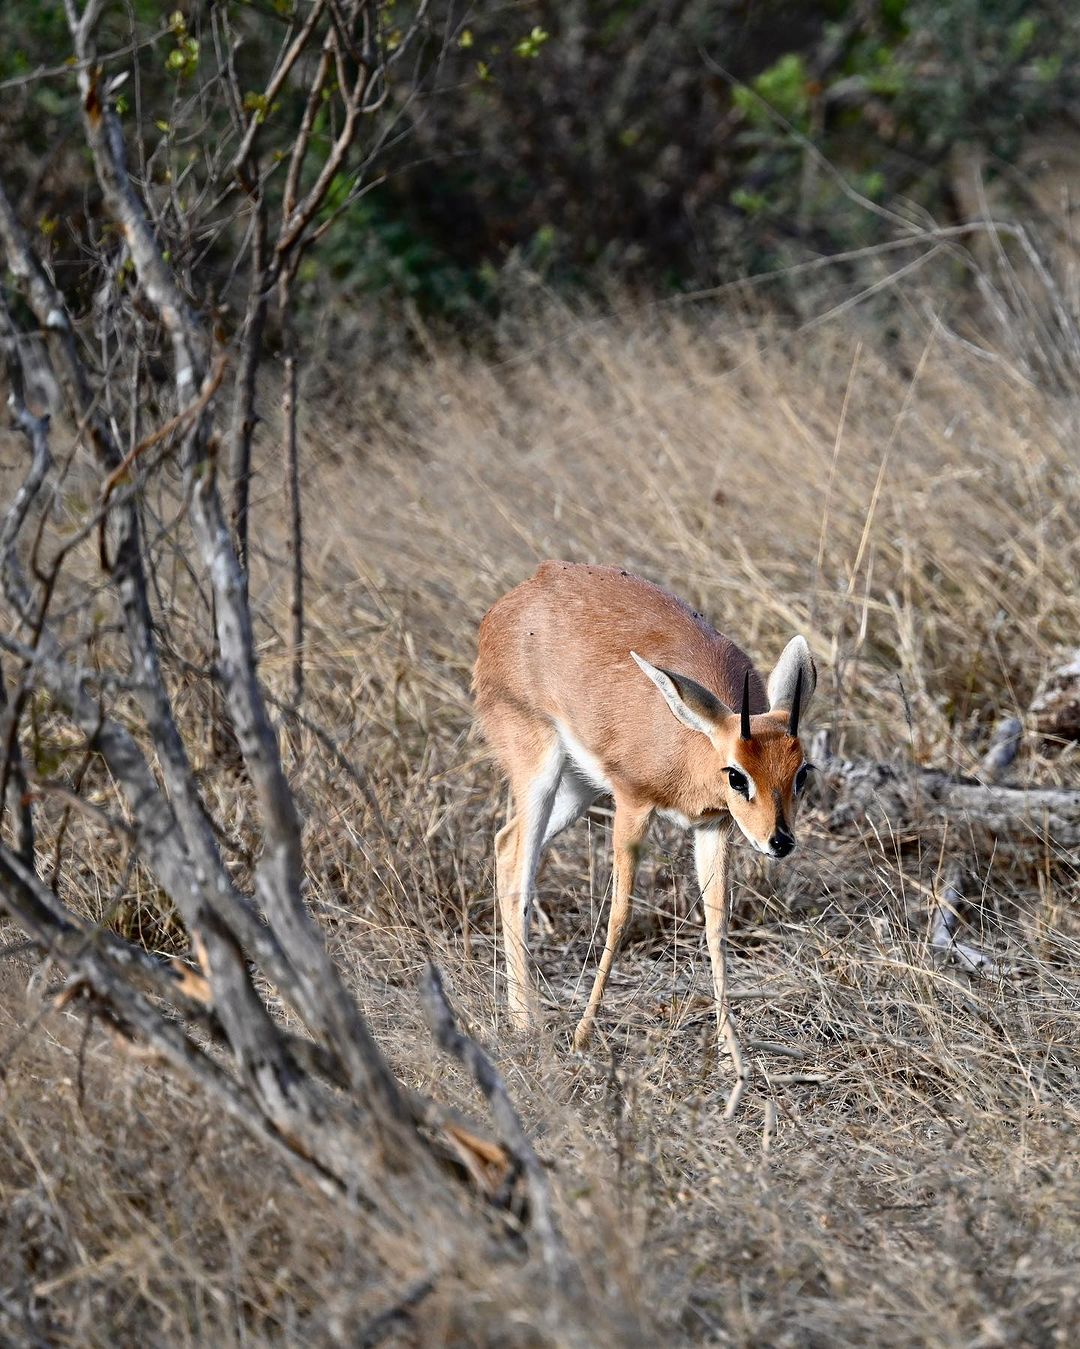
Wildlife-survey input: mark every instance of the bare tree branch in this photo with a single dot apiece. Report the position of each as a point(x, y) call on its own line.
point(440, 1017)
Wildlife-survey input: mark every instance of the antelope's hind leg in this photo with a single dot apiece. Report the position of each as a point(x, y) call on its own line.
point(573, 796)
point(535, 778)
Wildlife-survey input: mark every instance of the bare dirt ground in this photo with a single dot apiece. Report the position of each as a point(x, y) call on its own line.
point(912, 509)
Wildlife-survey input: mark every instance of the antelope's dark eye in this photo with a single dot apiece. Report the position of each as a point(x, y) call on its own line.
point(738, 782)
point(800, 777)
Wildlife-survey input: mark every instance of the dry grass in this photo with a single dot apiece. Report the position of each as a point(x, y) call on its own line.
point(912, 510)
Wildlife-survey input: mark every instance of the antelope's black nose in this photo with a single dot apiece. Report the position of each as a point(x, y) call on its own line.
point(782, 843)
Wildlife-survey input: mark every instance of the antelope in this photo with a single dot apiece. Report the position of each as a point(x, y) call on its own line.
point(592, 682)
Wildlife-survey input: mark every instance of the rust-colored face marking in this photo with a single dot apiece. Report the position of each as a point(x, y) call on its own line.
point(771, 758)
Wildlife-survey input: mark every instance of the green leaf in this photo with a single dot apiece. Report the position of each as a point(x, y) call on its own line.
point(258, 104)
point(529, 47)
point(753, 203)
point(1021, 35)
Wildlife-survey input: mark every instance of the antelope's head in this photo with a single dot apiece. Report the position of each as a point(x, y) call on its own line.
point(760, 767)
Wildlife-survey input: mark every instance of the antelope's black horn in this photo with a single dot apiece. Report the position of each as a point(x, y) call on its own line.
point(793, 724)
point(744, 723)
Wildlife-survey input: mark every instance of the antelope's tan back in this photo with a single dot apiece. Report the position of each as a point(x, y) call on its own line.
point(557, 647)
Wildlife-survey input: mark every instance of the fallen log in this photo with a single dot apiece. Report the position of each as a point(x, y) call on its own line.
point(904, 795)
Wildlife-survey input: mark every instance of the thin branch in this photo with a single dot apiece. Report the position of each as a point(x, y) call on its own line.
point(244, 417)
point(277, 81)
point(181, 421)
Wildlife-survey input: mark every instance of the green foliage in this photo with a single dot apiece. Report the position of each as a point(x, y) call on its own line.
point(374, 248)
point(588, 142)
point(781, 89)
point(183, 60)
point(653, 164)
point(255, 101)
point(753, 203)
point(529, 46)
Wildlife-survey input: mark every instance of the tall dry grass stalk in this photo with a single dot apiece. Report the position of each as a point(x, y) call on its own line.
point(909, 506)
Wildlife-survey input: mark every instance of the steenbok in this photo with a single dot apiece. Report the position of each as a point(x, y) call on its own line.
point(591, 682)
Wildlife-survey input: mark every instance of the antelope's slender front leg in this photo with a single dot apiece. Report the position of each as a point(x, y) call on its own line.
point(712, 856)
point(631, 824)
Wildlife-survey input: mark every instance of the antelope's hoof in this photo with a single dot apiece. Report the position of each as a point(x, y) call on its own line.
point(581, 1039)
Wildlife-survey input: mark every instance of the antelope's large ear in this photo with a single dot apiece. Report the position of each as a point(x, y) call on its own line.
point(694, 705)
point(792, 683)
